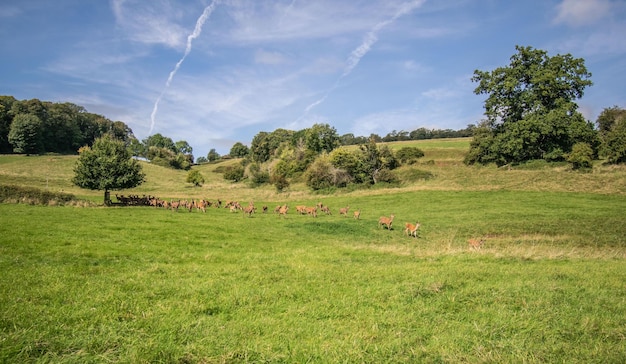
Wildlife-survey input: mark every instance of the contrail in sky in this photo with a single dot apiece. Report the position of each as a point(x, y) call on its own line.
point(195, 34)
point(370, 38)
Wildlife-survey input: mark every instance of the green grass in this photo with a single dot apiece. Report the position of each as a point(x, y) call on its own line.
point(143, 285)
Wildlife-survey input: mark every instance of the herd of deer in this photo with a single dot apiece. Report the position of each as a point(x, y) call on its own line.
point(410, 229)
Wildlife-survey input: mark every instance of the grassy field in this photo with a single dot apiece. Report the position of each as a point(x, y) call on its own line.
point(143, 285)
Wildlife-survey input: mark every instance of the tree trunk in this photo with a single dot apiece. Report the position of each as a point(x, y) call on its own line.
point(107, 198)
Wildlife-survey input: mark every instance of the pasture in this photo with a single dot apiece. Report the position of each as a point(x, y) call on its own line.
point(145, 284)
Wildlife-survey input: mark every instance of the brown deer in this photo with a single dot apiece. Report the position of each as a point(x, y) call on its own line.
point(311, 211)
point(326, 210)
point(387, 221)
point(475, 244)
point(357, 214)
point(410, 229)
point(344, 211)
point(282, 211)
point(249, 210)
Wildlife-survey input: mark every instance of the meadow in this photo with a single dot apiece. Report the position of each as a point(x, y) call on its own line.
point(144, 285)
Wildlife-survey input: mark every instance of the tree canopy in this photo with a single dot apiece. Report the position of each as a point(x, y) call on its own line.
point(107, 165)
point(530, 109)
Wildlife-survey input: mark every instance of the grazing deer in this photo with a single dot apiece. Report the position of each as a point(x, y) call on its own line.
point(301, 209)
point(475, 244)
point(410, 229)
point(311, 211)
point(357, 214)
point(175, 205)
point(265, 209)
point(249, 210)
point(326, 210)
point(344, 211)
point(387, 221)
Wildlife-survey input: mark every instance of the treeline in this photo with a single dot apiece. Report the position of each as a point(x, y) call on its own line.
point(34, 126)
point(402, 135)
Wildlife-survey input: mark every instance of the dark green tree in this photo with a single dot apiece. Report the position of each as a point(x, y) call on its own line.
point(321, 138)
point(212, 155)
point(238, 150)
point(260, 148)
point(530, 109)
point(6, 117)
point(107, 165)
point(160, 141)
point(26, 134)
point(612, 126)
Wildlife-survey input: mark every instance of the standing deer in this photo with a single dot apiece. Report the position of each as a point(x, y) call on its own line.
point(344, 211)
point(410, 229)
point(475, 244)
point(387, 221)
point(357, 214)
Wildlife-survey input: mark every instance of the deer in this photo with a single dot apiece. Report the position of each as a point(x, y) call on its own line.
point(344, 211)
point(387, 221)
point(410, 229)
point(475, 244)
point(311, 211)
point(283, 210)
point(357, 214)
point(249, 210)
point(326, 210)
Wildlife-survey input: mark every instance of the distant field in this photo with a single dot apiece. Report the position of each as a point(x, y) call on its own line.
point(143, 285)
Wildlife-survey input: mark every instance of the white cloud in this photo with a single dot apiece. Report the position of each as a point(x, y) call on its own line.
point(582, 12)
point(152, 22)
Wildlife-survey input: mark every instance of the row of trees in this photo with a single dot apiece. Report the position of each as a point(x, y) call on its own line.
point(34, 126)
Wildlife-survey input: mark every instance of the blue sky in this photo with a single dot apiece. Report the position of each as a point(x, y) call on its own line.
point(218, 72)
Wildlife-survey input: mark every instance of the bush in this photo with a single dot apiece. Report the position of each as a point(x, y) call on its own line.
point(581, 157)
point(409, 155)
point(33, 196)
point(234, 173)
point(195, 177)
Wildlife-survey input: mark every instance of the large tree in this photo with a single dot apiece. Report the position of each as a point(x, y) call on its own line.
point(107, 165)
point(530, 109)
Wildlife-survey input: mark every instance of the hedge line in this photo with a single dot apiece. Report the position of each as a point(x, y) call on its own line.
point(33, 196)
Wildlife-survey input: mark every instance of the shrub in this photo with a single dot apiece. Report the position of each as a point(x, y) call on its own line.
point(234, 173)
point(581, 157)
point(195, 177)
point(33, 196)
point(409, 155)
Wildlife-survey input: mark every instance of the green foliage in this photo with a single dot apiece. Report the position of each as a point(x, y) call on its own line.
point(321, 138)
point(238, 150)
point(213, 155)
point(159, 141)
point(195, 177)
point(33, 196)
point(409, 155)
point(612, 125)
point(279, 181)
point(581, 157)
point(234, 173)
point(530, 109)
point(258, 175)
point(26, 134)
point(107, 165)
